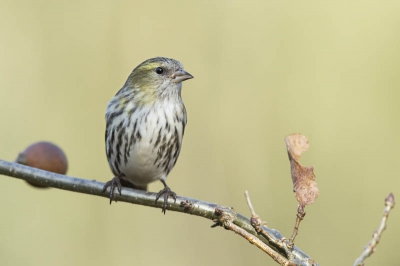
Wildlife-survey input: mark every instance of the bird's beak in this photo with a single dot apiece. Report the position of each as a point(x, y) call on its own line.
point(181, 75)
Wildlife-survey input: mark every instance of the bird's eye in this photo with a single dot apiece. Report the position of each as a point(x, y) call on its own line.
point(159, 70)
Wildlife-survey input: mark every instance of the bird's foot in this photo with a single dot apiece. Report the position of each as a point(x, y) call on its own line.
point(114, 183)
point(167, 192)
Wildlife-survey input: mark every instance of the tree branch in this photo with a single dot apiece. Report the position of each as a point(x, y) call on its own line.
point(196, 207)
point(376, 237)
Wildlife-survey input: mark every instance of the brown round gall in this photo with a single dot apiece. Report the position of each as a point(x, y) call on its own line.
point(46, 156)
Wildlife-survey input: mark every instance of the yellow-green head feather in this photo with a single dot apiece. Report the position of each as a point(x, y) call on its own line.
point(144, 85)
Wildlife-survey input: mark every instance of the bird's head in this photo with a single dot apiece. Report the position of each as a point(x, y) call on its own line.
point(157, 77)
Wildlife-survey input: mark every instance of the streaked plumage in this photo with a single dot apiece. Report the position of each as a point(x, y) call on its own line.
point(145, 123)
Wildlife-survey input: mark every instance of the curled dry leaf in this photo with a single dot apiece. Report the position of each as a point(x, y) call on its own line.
point(303, 177)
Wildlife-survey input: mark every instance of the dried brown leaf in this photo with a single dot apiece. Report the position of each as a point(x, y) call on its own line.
point(303, 177)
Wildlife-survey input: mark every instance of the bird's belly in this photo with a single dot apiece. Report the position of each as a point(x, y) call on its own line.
point(145, 148)
point(140, 168)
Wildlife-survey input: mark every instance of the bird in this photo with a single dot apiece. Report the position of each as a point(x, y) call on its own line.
point(145, 124)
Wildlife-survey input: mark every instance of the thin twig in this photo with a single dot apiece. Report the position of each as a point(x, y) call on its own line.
point(278, 243)
point(256, 222)
point(299, 217)
point(183, 204)
point(226, 221)
point(371, 246)
point(247, 196)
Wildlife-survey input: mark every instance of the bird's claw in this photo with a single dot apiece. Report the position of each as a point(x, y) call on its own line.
point(167, 192)
point(114, 183)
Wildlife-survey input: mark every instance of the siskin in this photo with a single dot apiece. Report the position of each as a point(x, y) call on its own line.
point(145, 123)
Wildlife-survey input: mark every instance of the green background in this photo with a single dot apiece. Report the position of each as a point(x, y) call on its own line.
point(263, 70)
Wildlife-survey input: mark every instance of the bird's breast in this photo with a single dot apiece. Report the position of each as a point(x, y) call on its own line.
point(153, 143)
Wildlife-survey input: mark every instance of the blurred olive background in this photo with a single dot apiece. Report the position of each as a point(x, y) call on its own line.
point(263, 70)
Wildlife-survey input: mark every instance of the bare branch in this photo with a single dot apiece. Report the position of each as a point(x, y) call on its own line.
point(281, 243)
point(183, 204)
point(226, 222)
point(371, 246)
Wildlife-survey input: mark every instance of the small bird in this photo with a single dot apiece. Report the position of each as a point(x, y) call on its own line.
point(145, 123)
